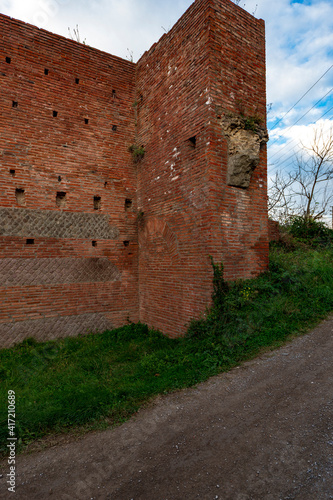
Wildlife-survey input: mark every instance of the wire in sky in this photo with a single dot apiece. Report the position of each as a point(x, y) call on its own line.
point(303, 116)
point(299, 100)
point(276, 164)
point(291, 140)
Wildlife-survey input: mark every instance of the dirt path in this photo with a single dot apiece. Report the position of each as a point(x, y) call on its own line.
point(262, 431)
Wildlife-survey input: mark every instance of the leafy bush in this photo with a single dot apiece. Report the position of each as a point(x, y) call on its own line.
point(310, 230)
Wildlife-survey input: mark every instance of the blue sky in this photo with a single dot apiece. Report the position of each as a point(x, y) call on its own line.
point(299, 37)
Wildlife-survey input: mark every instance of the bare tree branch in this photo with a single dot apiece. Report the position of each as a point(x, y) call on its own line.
point(299, 191)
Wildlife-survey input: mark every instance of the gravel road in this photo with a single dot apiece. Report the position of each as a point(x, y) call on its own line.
point(261, 431)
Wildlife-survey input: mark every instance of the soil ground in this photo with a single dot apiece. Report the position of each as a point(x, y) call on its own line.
point(261, 431)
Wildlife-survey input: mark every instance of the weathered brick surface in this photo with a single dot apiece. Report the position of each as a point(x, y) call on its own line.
point(89, 235)
point(50, 224)
point(212, 62)
point(58, 270)
point(76, 178)
point(274, 230)
point(239, 221)
point(49, 328)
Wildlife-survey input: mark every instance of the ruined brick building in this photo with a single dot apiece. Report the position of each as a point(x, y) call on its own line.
point(93, 232)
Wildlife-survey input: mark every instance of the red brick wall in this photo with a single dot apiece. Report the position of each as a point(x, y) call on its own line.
point(175, 276)
point(238, 86)
point(274, 230)
point(213, 57)
point(129, 240)
point(62, 284)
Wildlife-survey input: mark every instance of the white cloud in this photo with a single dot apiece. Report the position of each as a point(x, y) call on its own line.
point(299, 39)
point(110, 25)
point(282, 156)
point(305, 133)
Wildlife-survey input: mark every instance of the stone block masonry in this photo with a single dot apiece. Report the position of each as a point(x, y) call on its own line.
point(91, 237)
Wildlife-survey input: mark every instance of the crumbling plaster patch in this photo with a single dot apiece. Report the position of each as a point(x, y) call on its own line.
point(245, 138)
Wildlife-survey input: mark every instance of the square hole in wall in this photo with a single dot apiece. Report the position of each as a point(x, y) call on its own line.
point(8, 60)
point(46, 71)
point(30, 241)
point(12, 171)
point(114, 128)
point(128, 203)
point(14, 104)
point(126, 243)
point(77, 80)
point(61, 199)
point(86, 121)
point(97, 202)
point(20, 196)
point(94, 243)
point(55, 114)
point(193, 141)
point(59, 178)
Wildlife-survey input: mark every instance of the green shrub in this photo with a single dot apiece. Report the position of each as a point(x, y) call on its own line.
point(310, 230)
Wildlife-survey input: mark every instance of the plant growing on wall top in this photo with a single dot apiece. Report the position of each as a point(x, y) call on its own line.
point(76, 35)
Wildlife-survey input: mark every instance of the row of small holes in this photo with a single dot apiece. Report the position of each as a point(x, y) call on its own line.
point(128, 202)
point(61, 199)
point(46, 72)
point(55, 114)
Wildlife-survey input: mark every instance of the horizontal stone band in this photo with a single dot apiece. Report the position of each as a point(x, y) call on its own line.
point(18, 272)
point(52, 327)
point(53, 224)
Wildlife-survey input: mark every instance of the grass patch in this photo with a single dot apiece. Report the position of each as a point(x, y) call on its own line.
point(99, 380)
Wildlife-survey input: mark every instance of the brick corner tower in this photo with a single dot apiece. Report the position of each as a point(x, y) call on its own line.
point(201, 119)
point(120, 180)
